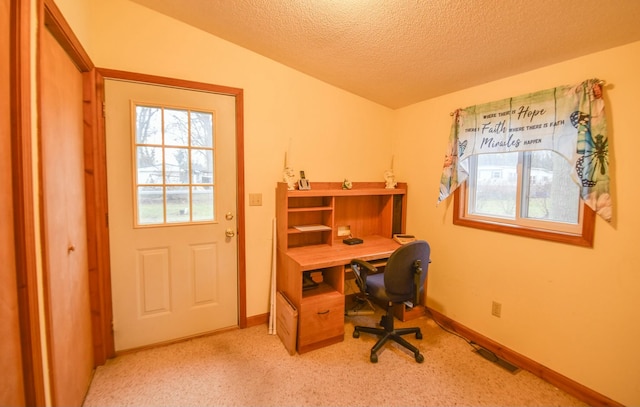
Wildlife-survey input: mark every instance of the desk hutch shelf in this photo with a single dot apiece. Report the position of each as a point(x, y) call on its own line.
point(310, 227)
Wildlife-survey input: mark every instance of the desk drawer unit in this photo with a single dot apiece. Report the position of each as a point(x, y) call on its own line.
point(321, 321)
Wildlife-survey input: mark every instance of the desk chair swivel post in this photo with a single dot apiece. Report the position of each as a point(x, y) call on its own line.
point(402, 281)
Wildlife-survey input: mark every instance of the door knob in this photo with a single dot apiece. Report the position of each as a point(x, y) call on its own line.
point(229, 232)
point(228, 216)
point(71, 248)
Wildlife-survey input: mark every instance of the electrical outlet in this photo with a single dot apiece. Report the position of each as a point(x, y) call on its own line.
point(496, 309)
point(255, 199)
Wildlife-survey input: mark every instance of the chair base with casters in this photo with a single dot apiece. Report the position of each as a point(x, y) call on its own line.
point(402, 281)
point(389, 333)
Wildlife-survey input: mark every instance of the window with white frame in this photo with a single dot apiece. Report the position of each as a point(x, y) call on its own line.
point(174, 162)
point(528, 193)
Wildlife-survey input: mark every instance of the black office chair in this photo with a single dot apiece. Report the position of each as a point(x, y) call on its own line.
point(402, 281)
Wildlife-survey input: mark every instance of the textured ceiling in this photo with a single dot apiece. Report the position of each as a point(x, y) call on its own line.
point(401, 52)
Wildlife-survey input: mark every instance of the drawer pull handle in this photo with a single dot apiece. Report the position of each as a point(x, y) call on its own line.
point(323, 312)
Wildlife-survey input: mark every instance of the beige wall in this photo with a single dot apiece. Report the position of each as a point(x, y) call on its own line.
point(572, 309)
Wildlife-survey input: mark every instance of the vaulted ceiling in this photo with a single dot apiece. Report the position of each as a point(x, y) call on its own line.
point(399, 52)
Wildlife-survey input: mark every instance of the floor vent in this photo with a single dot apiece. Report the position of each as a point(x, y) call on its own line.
point(492, 357)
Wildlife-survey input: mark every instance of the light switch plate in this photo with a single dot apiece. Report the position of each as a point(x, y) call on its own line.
point(255, 199)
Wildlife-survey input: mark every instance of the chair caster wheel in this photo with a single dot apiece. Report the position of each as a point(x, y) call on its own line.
point(356, 334)
point(419, 358)
point(374, 358)
point(418, 335)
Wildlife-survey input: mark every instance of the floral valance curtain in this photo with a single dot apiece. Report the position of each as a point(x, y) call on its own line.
point(569, 120)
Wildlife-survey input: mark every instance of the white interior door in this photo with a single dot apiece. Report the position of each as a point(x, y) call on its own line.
point(178, 280)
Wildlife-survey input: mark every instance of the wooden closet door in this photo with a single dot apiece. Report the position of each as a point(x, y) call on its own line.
point(65, 263)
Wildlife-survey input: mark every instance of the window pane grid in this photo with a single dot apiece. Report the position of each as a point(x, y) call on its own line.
point(174, 162)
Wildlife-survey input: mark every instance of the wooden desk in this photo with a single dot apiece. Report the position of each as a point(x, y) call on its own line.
point(320, 256)
point(309, 239)
point(321, 309)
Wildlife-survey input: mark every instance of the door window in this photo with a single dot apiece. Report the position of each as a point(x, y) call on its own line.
point(174, 161)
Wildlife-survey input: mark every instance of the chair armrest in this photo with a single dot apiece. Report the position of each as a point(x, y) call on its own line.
point(417, 278)
point(370, 268)
point(361, 269)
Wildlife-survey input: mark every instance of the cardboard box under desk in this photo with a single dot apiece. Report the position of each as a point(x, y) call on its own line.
point(286, 322)
point(404, 313)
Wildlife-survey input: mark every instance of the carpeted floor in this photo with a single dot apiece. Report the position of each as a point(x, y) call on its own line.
point(249, 367)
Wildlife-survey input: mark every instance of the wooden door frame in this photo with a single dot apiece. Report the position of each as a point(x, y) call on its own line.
point(12, 390)
point(24, 203)
point(238, 94)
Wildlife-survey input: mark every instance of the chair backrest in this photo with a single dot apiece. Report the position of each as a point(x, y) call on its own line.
point(399, 272)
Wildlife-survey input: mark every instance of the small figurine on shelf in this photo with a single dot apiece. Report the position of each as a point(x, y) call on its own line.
point(289, 177)
point(389, 179)
point(346, 184)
